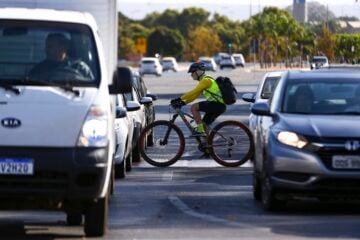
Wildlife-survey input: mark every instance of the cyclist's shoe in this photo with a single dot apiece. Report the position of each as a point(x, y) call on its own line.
point(198, 133)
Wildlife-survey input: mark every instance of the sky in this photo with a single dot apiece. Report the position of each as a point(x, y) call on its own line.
point(234, 9)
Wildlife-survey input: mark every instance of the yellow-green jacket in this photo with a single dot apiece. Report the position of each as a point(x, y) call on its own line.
point(206, 86)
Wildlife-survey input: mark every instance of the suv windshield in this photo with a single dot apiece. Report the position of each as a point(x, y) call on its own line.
point(338, 97)
point(39, 52)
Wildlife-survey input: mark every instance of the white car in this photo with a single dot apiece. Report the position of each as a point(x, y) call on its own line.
point(124, 130)
point(239, 59)
point(139, 117)
point(263, 94)
point(227, 61)
point(209, 62)
point(169, 63)
point(150, 65)
point(319, 62)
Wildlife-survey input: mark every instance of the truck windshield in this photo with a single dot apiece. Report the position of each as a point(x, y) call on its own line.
point(37, 51)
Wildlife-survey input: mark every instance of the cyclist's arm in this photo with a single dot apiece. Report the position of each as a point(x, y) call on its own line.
point(195, 93)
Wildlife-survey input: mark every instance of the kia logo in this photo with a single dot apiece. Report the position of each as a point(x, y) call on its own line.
point(352, 145)
point(11, 122)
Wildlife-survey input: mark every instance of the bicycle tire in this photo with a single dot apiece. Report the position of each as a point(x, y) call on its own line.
point(237, 135)
point(149, 153)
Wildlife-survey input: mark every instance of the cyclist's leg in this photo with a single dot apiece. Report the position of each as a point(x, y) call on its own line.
point(212, 111)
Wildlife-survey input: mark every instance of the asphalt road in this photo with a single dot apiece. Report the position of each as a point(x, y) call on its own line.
point(195, 198)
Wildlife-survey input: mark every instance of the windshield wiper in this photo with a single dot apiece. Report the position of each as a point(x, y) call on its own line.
point(9, 87)
point(347, 113)
point(66, 87)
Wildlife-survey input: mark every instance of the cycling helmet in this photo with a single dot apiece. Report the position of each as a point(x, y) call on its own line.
point(196, 66)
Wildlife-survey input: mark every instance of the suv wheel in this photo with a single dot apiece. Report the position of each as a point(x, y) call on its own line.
point(268, 196)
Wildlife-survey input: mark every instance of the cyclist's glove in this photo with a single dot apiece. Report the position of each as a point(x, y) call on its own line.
point(177, 102)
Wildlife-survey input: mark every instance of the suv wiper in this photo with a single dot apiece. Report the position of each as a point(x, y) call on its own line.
point(9, 87)
point(65, 86)
point(347, 113)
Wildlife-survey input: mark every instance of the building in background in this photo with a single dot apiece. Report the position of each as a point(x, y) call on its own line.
point(300, 10)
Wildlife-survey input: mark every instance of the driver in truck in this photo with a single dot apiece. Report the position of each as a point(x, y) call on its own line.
point(58, 62)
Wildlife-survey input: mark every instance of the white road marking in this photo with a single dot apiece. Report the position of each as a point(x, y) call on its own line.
point(167, 176)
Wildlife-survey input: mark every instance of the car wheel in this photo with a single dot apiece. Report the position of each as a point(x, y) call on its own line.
point(120, 169)
point(136, 154)
point(268, 195)
point(129, 160)
point(256, 186)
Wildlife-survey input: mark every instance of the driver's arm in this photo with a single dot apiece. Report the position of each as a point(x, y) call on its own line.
point(195, 93)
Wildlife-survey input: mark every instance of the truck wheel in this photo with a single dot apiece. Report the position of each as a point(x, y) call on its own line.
point(96, 218)
point(73, 219)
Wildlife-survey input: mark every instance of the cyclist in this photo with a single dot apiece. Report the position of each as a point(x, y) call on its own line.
point(214, 105)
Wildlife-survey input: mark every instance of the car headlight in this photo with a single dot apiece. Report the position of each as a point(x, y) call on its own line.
point(292, 139)
point(94, 132)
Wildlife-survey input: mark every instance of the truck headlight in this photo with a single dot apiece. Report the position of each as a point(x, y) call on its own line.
point(292, 139)
point(94, 132)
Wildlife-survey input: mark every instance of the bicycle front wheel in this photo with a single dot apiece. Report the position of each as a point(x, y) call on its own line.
point(231, 143)
point(168, 143)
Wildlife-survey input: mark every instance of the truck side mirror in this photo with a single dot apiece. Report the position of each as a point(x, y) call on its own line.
point(122, 81)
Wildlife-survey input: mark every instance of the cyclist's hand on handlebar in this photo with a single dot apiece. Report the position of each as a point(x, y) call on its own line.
point(177, 103)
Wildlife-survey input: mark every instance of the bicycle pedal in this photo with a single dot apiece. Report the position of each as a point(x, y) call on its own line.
point(205, 155)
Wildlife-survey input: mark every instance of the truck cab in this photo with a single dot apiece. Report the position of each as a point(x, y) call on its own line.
point(57, 116)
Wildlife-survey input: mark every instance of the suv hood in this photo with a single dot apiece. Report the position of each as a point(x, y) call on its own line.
point(321, 125)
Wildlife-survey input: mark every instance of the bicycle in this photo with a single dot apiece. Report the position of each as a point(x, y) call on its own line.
point(229, 143)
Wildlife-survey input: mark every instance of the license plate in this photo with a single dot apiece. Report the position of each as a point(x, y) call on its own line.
point(346, 162)
point(16, 166)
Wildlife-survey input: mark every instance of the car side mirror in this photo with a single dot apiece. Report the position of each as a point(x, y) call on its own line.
point(261, 108)
point(146, 100)
point(248, 97)
point(120, 112)
point(132, 106)
point(153, 96)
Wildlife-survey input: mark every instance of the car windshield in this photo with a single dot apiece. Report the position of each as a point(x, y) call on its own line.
point(269, 87)
point(340, 97)
point(34, 52)
point(319, 60)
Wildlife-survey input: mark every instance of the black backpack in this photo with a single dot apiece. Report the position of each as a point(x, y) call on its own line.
point(227, 89)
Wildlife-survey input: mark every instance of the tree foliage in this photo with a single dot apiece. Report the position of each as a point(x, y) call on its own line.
point(166, 42)
point(202, 41)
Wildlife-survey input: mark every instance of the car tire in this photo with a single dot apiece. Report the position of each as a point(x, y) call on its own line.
point(269, 199)
point(96, 217)
point(73, 219)
point(120, 169)
point(128, 166)
point(256, 186)
point(136, 154)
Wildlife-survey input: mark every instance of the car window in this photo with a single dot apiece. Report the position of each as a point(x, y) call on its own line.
point(269, 87)
point(335, 98)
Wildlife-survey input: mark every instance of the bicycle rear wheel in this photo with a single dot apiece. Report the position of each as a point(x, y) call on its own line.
point(231, 143)
point(168, 143)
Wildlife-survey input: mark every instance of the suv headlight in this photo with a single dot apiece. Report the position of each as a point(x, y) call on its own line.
point(292, 139)
point(94, 132)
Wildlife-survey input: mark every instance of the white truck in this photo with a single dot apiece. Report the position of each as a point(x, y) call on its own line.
point(57, 86)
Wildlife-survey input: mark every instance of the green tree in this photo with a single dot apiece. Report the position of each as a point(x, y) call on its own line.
point(202, 41)
point(326, 44)
point(191, 18)
point(166, 42)
point(126, 46)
